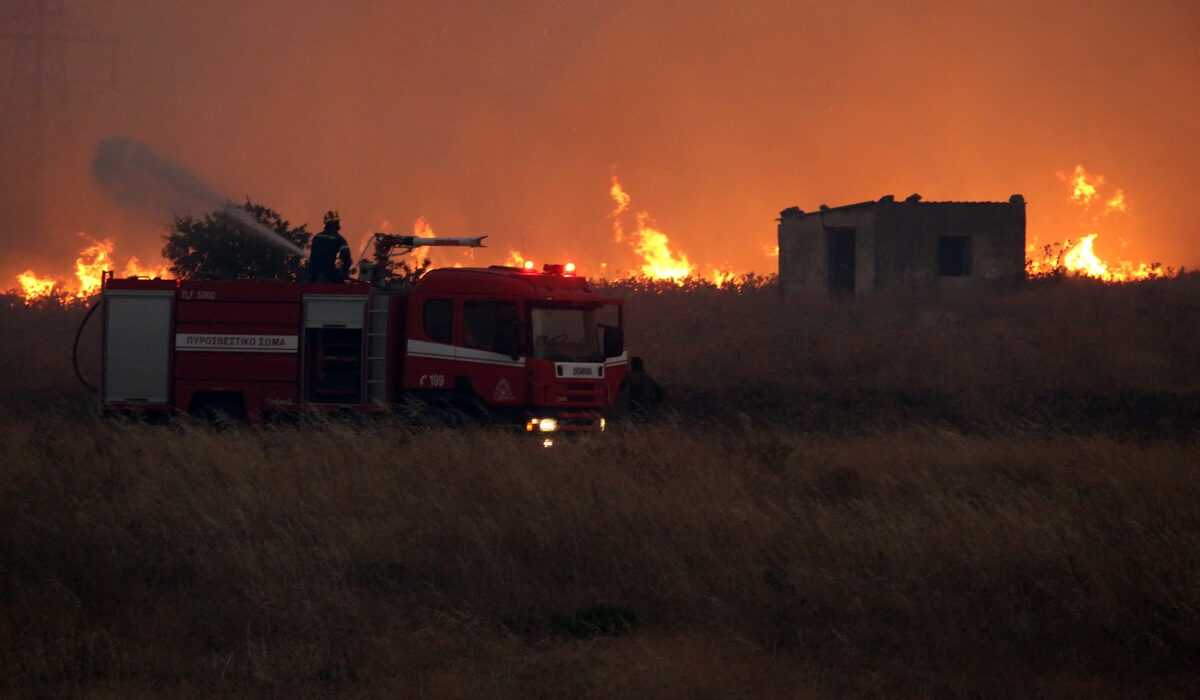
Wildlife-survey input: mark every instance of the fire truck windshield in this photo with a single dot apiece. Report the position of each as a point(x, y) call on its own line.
point(565, 335)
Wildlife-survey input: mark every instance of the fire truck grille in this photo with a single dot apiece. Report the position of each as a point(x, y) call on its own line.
point(580, 393)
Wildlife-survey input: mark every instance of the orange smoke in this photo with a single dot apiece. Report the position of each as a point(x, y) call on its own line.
point(1080, 257)
point(93, 260)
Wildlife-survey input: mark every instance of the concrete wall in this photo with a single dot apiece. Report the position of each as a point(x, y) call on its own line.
point(803, 247)
point(896, 245)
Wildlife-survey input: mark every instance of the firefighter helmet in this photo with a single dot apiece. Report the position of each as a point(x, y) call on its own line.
point(331, 217)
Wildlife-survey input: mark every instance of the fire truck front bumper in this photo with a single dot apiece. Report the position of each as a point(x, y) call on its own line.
point(567, 422)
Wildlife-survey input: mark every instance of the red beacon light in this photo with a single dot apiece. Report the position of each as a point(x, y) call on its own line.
point(528, 265)
point(566, 269)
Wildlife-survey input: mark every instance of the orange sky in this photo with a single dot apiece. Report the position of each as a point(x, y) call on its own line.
point(509, 120)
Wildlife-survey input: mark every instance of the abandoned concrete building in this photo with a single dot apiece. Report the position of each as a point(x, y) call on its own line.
point(863, 248)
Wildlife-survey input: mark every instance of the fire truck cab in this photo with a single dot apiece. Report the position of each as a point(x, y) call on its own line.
point(537, 350)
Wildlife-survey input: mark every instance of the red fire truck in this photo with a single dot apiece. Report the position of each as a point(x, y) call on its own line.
point(539, 350)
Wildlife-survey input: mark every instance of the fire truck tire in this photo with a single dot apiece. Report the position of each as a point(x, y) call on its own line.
point(475, 410)
point(221, 412)
point(455, 408)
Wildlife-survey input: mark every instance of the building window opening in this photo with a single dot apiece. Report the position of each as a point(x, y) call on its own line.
point(954, 256)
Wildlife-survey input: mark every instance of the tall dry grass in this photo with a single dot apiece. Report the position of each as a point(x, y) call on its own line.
point(918, 495)
point(1059, 353)
point(36, 367)
point(1062, 353)
point(666, 560)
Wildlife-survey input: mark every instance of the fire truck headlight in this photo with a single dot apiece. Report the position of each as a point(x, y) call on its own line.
point(603, 424)
point(544, 425)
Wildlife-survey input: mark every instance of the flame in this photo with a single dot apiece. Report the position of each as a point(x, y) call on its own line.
point(1116, 203)
point(440, 257)
point(1083, 185)
point(1085, 191)
point(422, 229)
point(516, 259)
point(636, 229)
point(34, 287)
point(1080, 257)
point(134, 268)
point(658, 261)
point(93, 260)
point(655, 249)
point(622, 199)
point(721, 278)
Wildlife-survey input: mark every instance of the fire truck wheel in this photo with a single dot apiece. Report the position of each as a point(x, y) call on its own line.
point(222, 413)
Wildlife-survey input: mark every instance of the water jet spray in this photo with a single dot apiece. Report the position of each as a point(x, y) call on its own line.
point(134, 175)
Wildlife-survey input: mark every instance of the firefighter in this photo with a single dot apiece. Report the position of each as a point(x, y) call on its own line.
point(328, 247)
point(644, 394)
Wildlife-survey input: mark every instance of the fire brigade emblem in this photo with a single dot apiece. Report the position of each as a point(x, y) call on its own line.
point(503, 391)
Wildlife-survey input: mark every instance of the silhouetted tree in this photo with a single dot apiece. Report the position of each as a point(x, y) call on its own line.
point(403, 271)
point(246, 242)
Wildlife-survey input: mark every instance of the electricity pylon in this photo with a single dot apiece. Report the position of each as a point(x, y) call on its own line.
point(36, 34)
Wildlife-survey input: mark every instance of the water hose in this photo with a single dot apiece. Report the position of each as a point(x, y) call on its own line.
point(75, 346)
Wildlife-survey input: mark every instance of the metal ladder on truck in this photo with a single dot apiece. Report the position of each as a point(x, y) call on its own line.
point(377, 335)
point(377, 270)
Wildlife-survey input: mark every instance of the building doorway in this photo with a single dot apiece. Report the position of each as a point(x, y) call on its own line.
point(841, 245)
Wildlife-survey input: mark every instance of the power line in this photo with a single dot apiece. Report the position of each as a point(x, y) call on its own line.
point(36, 103)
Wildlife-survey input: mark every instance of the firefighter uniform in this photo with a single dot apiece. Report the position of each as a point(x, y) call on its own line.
point(643, 393)
point(328, 246)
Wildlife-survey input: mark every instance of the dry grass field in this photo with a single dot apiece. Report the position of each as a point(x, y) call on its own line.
point(982, 496)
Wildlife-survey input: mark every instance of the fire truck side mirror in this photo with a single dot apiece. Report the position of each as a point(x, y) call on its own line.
point(614, 341)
